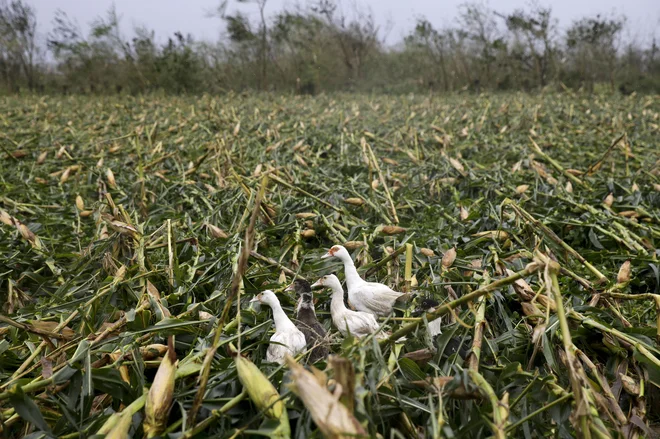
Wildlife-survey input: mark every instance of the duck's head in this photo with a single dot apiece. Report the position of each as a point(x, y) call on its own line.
point(337, 251)
point(425, 306)
point(327, 281)
point(266, 297)
point(300, 286)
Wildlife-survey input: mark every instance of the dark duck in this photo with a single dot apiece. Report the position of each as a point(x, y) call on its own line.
point(307, 322)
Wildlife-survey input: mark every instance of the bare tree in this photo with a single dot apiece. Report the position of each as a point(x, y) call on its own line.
point(593, 42)
point(477, 20)
point(357, 38)
point(18, 45)
point(536, 30)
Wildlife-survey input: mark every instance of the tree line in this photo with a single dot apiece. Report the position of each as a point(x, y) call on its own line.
point(326, 47)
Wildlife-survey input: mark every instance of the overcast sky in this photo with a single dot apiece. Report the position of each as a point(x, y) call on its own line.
point(189, 16)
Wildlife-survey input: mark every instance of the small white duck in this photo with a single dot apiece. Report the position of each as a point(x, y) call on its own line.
point(370, 297)
point(358, 324)
point(287, 338)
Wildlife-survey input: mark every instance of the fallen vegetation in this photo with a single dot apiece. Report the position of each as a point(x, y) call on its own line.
point(127, 224)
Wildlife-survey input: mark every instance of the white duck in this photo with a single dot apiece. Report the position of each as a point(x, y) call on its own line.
point(287, 338)
point(358, 324)
point(370, 297)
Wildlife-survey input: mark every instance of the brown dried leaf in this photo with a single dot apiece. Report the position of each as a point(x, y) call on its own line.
point(609, 200)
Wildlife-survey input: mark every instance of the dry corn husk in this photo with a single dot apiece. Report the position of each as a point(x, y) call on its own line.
point(80, 204)
point(5, 218)
point(305, 215)
point(463, 213)
point(86, 213)
point(352, 245)
point(122, 227)
point(65, 175)
point(308, 233)
point(354, 201)
point(656, 186)
point(121, 428)
point(28, 235)
point(427, 252)
point(110, 176)
point(203, 315)
point(449, 257)
point(216, 231)
point(330, 416)
point(262, 394)
point(629, 385)
point(457, 165)
point(161, 394)
point(569, 187)
point(391, 230)
point(42, 157)
point(522, 188)
point(624, 273)
point(495, 234)
point(609, 200)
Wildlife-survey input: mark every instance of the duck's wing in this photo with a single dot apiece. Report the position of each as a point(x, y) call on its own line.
point(384, 291)
point(282, 343)
point(377, 298)
point(363, 323)
point(277, 349)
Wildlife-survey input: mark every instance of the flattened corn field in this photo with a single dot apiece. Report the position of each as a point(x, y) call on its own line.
point(534, 220)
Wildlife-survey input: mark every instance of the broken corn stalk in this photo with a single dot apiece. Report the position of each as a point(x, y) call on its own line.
point(160, 396)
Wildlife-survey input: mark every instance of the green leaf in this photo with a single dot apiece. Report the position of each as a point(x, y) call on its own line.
point(411, 370)
point(27, 409)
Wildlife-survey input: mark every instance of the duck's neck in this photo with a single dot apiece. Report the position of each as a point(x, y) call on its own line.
point(352, 276)
point(282, 321)
point(337, 303)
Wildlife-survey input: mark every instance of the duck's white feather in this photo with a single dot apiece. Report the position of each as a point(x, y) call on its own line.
point(287, 338)
point(373, 298)
point(357, 323)
point(281, 343)
point(370, 297)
